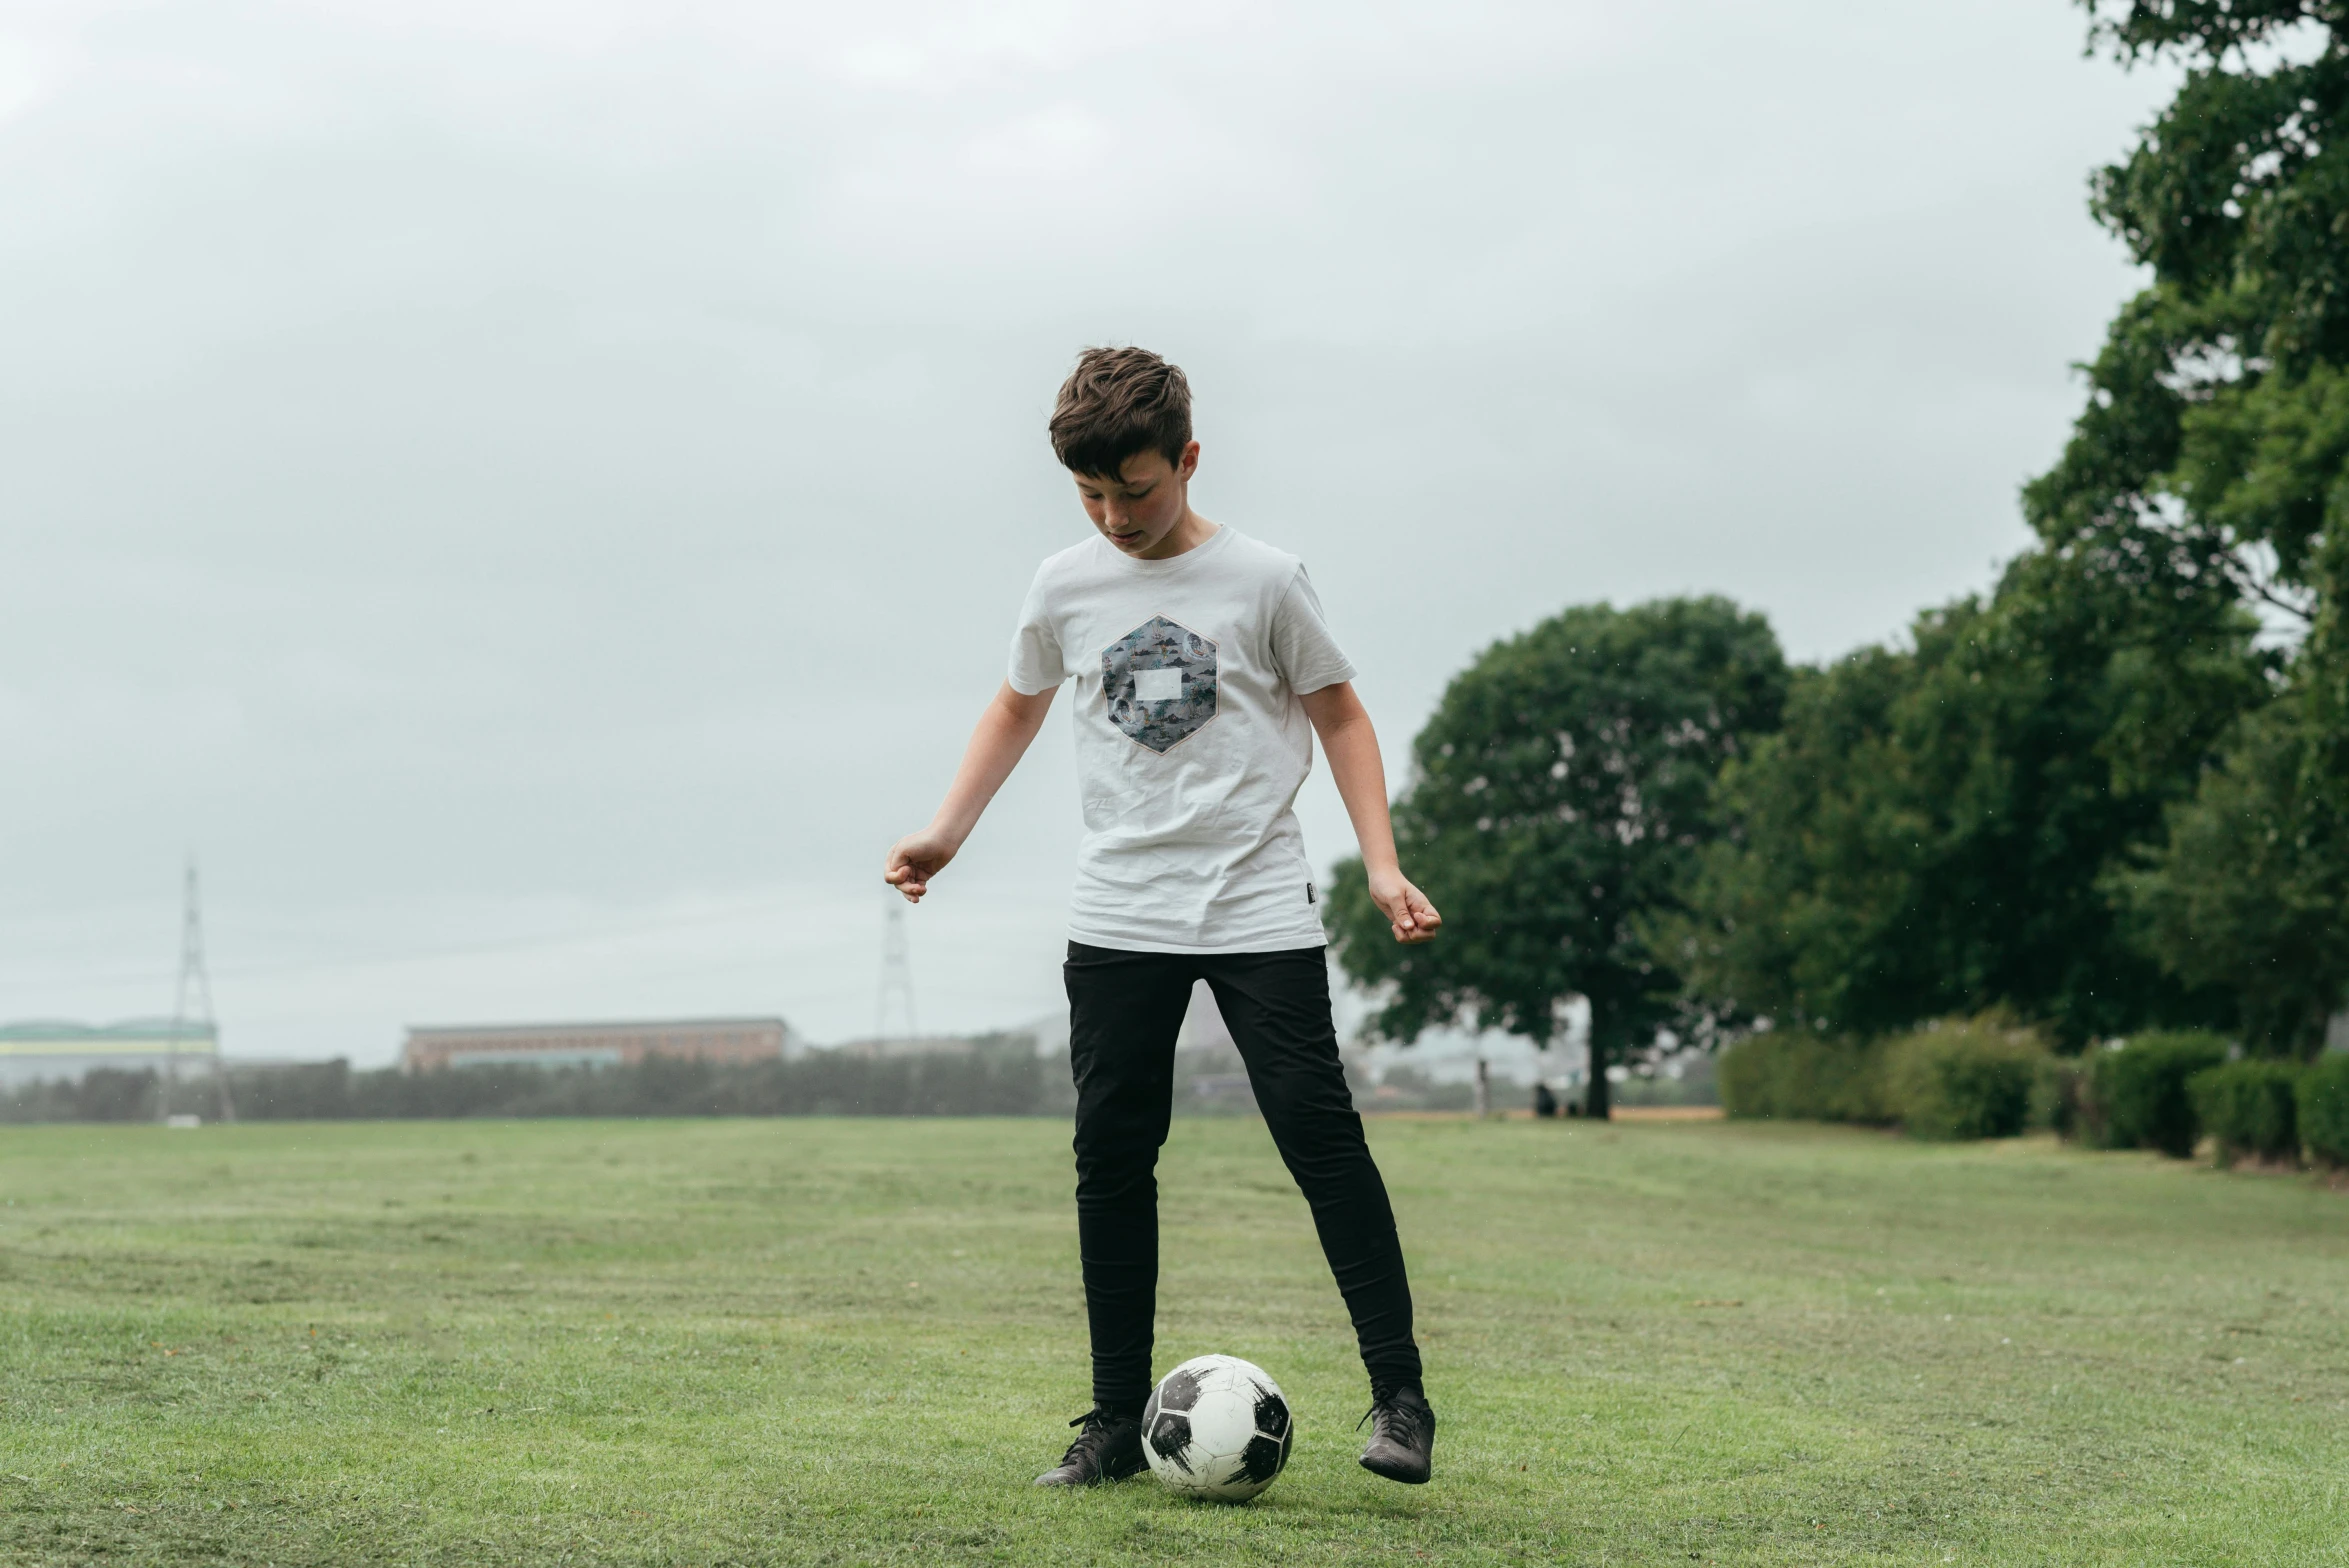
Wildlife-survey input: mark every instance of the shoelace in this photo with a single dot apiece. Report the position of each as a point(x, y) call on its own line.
point(1396, 1420)
point(1094, 1422)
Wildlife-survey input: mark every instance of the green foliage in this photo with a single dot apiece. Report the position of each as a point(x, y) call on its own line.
point(2323, 1107)
point(2248, 893)
point(104, 1094)
point(1559, 795)
point(2248, 1107)
point(1961, 1080)
point(1925, 836)
point(2252, 890)
point(2213, 456)
point(1799, 1075)
point(2138, 1093)
point(2078, 801)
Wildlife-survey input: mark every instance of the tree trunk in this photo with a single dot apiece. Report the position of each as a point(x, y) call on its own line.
point(1595, 1098)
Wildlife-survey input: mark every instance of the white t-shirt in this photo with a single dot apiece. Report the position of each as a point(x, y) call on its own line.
point(1191, 744)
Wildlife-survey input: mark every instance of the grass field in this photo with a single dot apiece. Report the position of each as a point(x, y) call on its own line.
point(856, 1341)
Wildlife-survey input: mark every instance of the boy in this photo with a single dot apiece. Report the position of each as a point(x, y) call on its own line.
point(1203, 669)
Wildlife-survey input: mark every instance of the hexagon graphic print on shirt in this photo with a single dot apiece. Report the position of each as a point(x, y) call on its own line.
point(1158, 683)
point(1191, 743)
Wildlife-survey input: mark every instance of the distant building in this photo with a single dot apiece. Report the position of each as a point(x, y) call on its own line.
point(597, 1045)
point(30, 1051)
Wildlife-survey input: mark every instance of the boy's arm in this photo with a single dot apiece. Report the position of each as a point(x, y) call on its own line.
point(1352, 748)
point(997, 744)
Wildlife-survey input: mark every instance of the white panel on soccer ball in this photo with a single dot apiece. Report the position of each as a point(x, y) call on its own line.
point(1223, 1421)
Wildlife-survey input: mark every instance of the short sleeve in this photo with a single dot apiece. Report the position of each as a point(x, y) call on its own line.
point(1035, 647)
point(1302, 647)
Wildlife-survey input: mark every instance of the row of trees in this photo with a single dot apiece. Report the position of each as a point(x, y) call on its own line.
point(1002, 1076)
point(2112, 794)
point(999, 1075)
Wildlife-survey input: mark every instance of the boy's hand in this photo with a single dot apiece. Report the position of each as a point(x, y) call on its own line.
point(1003, 733)
point(1408, 912)
point(916, 858)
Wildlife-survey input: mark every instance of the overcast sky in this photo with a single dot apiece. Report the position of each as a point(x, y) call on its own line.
point(533, 495)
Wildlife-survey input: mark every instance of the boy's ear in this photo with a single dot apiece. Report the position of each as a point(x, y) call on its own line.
point(1190, 463)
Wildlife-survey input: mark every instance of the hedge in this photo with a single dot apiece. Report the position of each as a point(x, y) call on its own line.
point(1793, 1074)
point(1974, 1079)
point(2324, 1108)
point(2248, 1108)
point(2137, 1094)
point(1964, 1079)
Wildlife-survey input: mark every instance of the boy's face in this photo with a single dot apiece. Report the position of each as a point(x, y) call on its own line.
point(1144, 503)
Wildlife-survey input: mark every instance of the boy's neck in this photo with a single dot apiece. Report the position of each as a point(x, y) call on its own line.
point(1184, 537)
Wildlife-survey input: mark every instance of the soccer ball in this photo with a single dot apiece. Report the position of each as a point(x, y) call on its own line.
point(1217, 1427)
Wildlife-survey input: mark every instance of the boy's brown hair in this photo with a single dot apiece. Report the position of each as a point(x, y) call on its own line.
point(1119, 403)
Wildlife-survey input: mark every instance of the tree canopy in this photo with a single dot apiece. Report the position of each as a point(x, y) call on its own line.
point(2213, 442)
point(1929, 833)
point(1557, 799)
point(2097, 799)
point(2214, 455)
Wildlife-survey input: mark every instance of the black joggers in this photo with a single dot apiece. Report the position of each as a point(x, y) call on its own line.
point(1124, 1012)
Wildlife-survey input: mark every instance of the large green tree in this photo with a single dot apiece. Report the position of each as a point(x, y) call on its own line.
point(1928, 832)
point(2246, 897)
point(1558, 797)
point(2093, 799)
point(2213, 455)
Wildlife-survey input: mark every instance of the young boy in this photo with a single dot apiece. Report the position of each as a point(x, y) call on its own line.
point(1203, 669)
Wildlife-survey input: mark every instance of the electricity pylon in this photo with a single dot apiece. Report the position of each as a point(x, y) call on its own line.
point(896, 975)
point(195, 982)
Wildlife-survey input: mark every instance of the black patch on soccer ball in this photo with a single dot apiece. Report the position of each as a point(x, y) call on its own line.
point(1180, 1391)
point(1170, 1434)
point(1262, 1459)
point(1272, 1413)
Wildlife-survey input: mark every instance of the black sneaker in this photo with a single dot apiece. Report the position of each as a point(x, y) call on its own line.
point(1402, 1435)
point(1109, 1449)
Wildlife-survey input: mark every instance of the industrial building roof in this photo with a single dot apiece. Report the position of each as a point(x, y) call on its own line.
point(631, 1026)
point(135, 1036)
